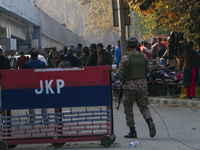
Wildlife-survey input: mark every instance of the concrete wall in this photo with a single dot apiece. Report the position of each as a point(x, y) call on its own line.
point(22, 8)
point(46, 43)
point(49, 31)
point(15, 27)
point(57, 32)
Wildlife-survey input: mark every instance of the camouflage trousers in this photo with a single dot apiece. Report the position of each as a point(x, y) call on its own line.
point(131, 96)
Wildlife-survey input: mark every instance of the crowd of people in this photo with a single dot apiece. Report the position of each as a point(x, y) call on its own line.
point(95, 55)
point(133, 68)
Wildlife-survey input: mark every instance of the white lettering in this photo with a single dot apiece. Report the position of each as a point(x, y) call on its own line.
point(48, 87)
point(41, 87)
point(60, 84)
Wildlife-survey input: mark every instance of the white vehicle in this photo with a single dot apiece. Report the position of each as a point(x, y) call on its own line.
point(14, 60)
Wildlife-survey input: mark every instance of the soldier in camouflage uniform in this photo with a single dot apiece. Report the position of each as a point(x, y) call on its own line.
point(135, 87)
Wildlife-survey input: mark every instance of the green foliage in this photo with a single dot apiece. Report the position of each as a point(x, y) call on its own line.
point(147, 27)
point(84, 2)
point(175, 15)
point(100, 20)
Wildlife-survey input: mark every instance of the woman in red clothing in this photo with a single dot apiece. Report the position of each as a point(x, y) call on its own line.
point(191, 70)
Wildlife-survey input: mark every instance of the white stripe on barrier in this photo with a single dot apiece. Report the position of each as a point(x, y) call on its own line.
point(58, 69)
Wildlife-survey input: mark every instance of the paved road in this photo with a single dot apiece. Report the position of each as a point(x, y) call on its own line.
point(182, 125)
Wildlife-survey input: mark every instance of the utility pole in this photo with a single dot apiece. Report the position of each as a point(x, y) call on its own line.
point(128, 32)
point(84, 20)
point(122, 28)
point(65, 12)
point(134, 26)
point(140, 36)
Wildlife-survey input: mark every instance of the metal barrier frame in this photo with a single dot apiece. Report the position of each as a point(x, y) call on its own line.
point(60, 127)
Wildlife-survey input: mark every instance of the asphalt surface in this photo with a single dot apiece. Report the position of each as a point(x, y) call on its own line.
point(182, 123)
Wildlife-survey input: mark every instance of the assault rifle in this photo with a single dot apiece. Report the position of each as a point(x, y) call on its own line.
point(120, 94)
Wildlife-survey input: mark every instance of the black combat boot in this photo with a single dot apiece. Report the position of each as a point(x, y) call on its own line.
point(131, 134)
point(152, 129)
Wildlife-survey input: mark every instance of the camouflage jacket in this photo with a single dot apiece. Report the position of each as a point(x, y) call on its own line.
point(132, 84)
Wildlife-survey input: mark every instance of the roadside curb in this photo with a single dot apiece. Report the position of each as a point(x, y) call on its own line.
point(182, 102)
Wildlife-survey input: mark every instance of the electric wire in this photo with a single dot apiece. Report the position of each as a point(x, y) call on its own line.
point(162, 120)
point(169, 133)
point(167, 127)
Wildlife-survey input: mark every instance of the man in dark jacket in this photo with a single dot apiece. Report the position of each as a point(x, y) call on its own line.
point(4, 62)
point(92, 61)
point(72, 59)
point(103, 58)
point(34, 63)
point(78, 50)
point(63, 63)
